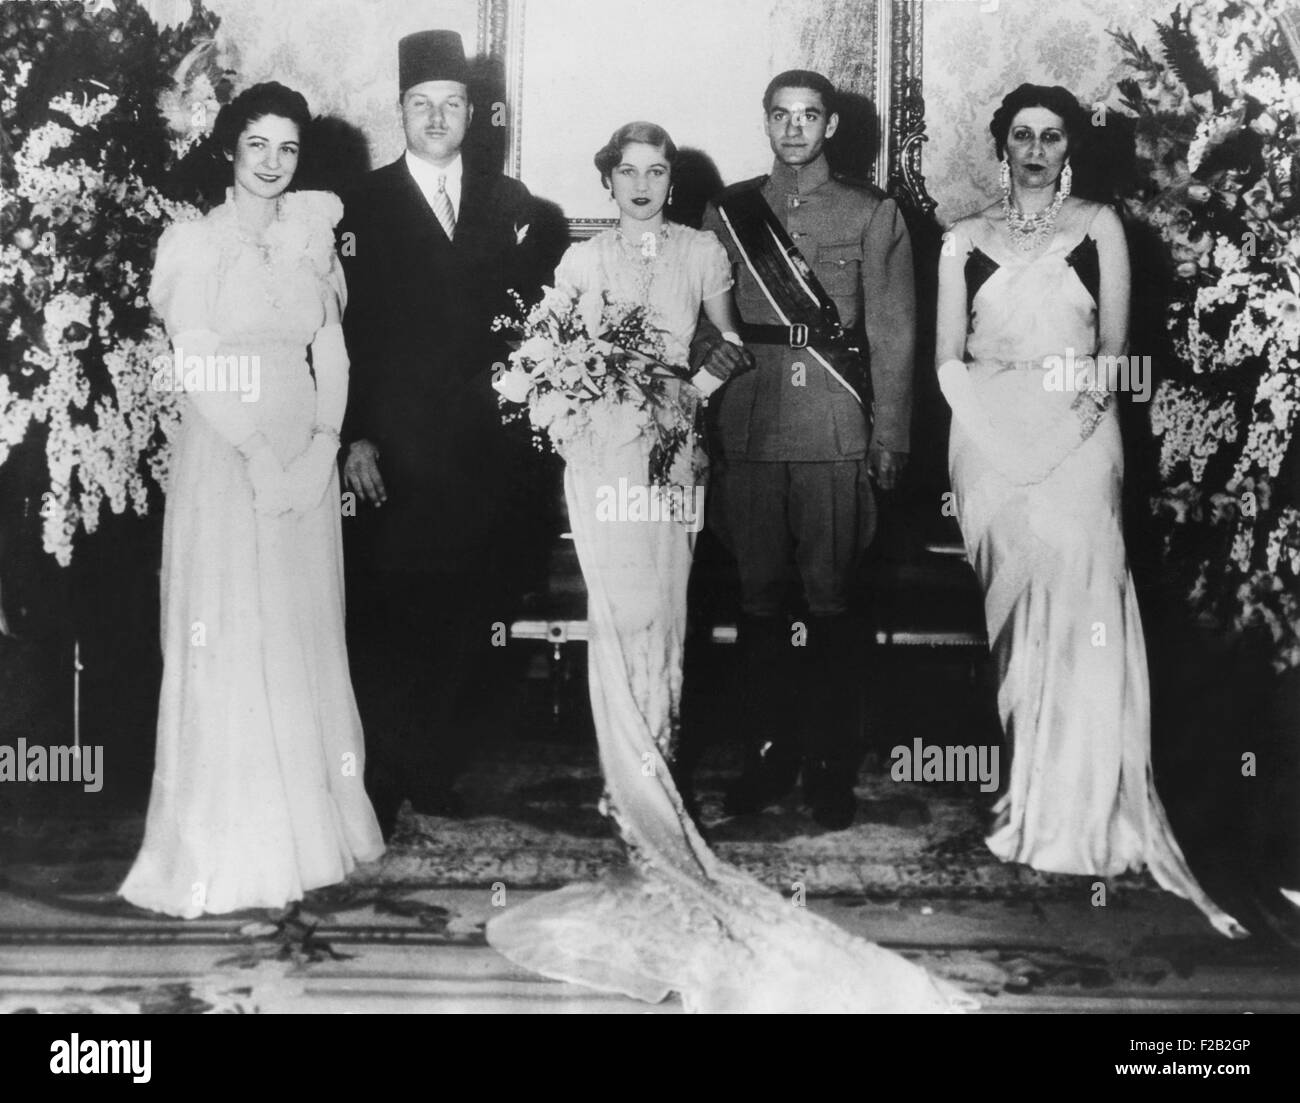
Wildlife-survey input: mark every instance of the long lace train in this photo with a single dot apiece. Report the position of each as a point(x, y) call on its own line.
point(677, 919)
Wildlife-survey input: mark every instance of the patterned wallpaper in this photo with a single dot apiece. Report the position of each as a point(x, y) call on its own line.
point(340, 54)
point(586, 71)
point(972, 57)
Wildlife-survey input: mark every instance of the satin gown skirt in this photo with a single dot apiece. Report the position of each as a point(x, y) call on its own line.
point(257, 791)
point(676, 918)
point(1067, 641)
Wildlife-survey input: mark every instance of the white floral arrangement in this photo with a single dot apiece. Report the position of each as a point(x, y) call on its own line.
point(191, 104)
point(590, 372)
point(80, 213)
point(1218, 126)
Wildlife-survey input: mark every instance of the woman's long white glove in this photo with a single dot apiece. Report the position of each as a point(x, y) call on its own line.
point(271, 488)
point(227, 413)
point(1015, 465)
point(310, 473)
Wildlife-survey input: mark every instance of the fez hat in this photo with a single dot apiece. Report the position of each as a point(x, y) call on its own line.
point(430, 55)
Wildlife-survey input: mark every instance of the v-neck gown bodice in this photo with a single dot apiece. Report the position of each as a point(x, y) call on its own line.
point(1062, 616)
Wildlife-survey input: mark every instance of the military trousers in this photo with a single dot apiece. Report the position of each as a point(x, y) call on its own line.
point(783, 521)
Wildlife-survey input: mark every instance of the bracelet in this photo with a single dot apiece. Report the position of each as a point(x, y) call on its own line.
point(320, 430)
point(1090, 415)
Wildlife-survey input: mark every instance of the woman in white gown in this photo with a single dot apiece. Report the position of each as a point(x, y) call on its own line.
point(257, 789)
point(1030, 289)
point(675, 918)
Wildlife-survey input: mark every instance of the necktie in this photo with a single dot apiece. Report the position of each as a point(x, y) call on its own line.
point(442, 208)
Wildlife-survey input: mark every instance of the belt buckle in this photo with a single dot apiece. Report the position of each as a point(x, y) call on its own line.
point(798, 336)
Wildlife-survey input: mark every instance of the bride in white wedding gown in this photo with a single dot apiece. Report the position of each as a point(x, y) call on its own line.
point(676, 918)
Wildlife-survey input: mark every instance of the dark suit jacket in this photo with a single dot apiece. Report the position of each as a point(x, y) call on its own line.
point(419, 332)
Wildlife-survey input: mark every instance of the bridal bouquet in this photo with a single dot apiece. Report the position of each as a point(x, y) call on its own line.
point(591, 370)
point(1218, 130)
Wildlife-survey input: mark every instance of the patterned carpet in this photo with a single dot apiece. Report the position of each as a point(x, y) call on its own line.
point(406, 933)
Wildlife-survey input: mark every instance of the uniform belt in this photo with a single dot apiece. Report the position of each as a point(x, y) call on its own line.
point(797, 336)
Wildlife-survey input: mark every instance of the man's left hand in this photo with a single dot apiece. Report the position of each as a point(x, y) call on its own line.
point(886, 467)
point(719, 357)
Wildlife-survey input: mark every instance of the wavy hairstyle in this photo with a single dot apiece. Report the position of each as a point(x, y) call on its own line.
point(1058, 100)
point(650, 134)
point(269, 98)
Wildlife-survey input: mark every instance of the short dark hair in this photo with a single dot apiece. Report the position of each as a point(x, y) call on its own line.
point(1060, 101)
point(801, 78)
point(651, 134)
point(269, 98)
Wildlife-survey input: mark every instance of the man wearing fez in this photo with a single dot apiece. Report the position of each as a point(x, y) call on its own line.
point(431, 244)
point(823, 269)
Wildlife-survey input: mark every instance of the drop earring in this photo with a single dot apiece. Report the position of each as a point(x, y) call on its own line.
point(1067, 179)
point(1004, 177)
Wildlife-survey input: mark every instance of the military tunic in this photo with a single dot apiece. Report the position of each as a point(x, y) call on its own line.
point(790, 486)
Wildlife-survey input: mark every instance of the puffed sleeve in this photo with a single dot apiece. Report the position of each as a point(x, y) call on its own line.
point(714, 265)
point(575, 272)
point(181, 291)
point(180, 285)
point(319, 212)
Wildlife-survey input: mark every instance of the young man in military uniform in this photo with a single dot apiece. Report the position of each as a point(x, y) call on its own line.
point(797, 450)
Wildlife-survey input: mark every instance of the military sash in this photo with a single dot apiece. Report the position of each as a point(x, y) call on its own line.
point(809, 317)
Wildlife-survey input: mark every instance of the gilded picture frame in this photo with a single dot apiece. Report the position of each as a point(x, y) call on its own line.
point(871, 49)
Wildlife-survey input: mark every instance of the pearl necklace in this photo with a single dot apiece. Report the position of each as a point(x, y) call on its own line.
point(1028, 232)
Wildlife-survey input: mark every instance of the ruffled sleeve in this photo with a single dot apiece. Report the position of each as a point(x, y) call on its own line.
point(324, 206)
point(179, 289)
point(576, 272)
point(714, 265)
point(309, 221)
